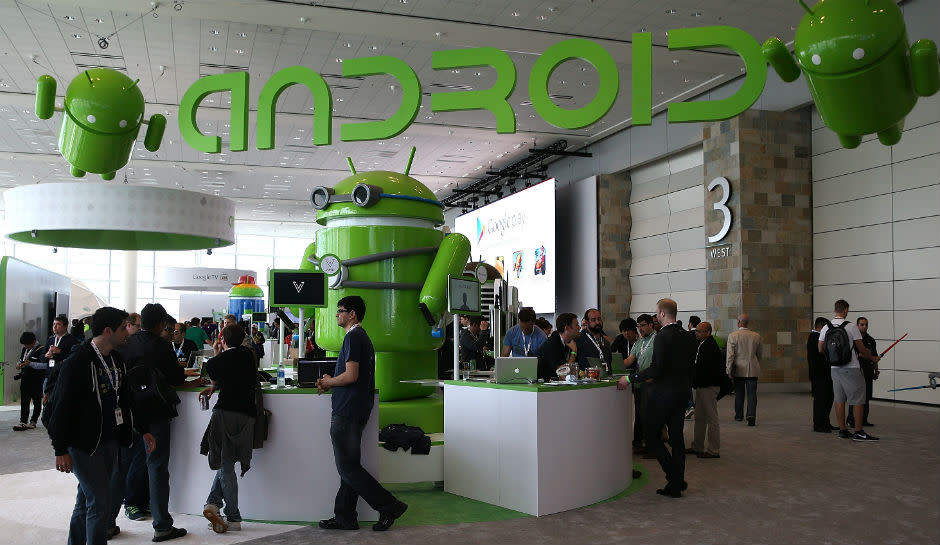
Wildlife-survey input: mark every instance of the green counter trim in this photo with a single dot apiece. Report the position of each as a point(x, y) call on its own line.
point(538, 388)
point(432, 506)
point(269, 390)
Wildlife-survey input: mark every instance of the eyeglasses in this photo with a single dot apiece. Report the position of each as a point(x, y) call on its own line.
point(341, 310)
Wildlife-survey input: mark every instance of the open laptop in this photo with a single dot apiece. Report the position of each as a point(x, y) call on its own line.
point(309, 371)
point(516, 370)
point(617, 367)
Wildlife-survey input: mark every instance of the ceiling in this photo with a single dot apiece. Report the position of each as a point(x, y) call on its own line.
point(171, 44)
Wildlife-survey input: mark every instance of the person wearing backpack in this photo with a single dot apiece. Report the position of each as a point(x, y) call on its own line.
point(91, 416)
point(841, 345)
point(151, 362)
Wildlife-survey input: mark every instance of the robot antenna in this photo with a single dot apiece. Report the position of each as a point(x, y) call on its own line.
point(802, 3)
point(410, 159)
point(350, 163)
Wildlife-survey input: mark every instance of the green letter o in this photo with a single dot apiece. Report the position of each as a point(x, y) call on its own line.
point(554, 56)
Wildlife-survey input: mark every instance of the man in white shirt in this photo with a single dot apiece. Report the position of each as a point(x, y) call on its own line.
point(848, 382)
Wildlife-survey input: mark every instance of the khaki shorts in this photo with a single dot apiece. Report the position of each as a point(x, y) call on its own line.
point(848, 385)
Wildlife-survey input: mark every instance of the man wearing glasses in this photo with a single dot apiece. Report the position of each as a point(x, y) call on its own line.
point(352, 399)
point(640, 358)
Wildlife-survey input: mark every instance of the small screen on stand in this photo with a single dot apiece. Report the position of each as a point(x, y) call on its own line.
point(463, 295)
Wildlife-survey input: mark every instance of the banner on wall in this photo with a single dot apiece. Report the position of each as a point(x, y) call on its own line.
point(202, 278)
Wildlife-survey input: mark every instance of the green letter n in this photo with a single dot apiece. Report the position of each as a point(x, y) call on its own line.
point(323, 104)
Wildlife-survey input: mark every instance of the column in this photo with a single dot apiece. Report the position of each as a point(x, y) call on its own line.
point(613, 251)
point(130, 281)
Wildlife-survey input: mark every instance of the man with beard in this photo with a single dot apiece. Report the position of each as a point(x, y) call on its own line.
point(593, 343)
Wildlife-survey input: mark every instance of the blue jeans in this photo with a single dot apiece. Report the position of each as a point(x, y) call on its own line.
point(158, 462)
point(225, 487)
point(355, 481)
point(129, 483)
point(748, 384)
point(91, 514)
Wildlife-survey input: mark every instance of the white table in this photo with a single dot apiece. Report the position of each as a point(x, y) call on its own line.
point(293, 478)
point(537, 449)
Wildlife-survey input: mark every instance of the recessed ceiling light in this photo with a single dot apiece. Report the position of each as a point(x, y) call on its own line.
point(339, 99)
point(347, 44)
point(240, 51)
point(541, 17)
point(515, 14)
point(696, 14)
point(76, 35)
point(338, 59)
point(644, 29)
point(403, 1)
point(213, 31)
point(98, 20)
point(671, 11)
point(69, 18)
point(685, 80)
point(242, 35)
point(478, 74)
point(675, 62)
point(213, 49)
point(374, 48)
point(553, 9)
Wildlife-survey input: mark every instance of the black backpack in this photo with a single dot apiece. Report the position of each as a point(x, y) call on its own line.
point(837, 348)
point(150, 393)
point(394, 436)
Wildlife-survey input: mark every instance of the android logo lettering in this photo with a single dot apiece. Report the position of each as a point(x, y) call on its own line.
point(103, 113)
point(862, 74)
point(381, 240)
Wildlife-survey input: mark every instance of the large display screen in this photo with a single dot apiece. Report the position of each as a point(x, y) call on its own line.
point(296, 288)
point(517, 236)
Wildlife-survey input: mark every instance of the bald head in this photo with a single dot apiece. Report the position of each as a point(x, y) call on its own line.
point(743, 320)
point(703, 330)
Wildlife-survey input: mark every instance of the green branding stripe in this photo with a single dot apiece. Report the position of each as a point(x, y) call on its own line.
point(494, 99)
point(642, 105)
point(237, 83)
point(754, 65)
point(410, 98)
point(322, 100)
point(553, 57)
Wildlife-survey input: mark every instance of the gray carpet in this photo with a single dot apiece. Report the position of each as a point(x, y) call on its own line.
point(775, 483)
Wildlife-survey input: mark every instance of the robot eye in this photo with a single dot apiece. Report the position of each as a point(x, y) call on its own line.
point(123, 123)
point(858, 54)
point(816, 59)
point(91, 118)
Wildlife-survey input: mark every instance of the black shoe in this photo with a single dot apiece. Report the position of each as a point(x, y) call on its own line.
point(166, 535)
point(709, 455)
point(333, 524)
point(833, 428)
point(387, 518)
point(845, 434)
point(751, 422)
point(823, 430)
point(736, 419)
point(691, 451)
point(112, 532)
point(861, 436)
point(668, 492)
point(684, 486)
point(868, 424)
point(637, 474)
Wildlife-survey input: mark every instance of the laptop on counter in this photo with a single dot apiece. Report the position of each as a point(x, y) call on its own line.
point(617, 367)
point(516, 370)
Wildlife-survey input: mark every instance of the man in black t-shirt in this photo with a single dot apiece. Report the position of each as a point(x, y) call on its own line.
point(353, 396)
point(230, 434)
point(560, 347)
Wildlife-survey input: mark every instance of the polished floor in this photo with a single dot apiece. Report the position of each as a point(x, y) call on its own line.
point(778, 482)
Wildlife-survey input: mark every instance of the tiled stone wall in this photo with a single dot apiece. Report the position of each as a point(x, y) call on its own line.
point(613, 230)
point(766, 157)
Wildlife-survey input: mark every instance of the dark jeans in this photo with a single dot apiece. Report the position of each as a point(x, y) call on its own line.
point(91, 514)
point(225, 491)
point(666, 407)
point(822, 403)
point(158, 462)
point(31, 390)
point(742, 385)
point(639, 417)
point(129, 478)
point(355, 481)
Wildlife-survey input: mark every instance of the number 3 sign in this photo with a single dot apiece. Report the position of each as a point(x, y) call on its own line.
point(721, 182)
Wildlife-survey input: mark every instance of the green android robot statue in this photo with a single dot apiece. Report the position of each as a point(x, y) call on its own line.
point(381, 240)
point(103, 113)
point(862, 74)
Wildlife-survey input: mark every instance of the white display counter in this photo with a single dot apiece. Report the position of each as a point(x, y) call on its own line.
point(537, 449)
point(293, 478)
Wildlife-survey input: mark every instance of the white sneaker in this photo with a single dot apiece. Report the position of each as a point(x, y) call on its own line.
point(216, 522)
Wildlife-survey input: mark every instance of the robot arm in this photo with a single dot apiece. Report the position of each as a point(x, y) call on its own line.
point(45, 97)
point(924, 68)
point(780, 59)
point(449, 260)
point(154, 135)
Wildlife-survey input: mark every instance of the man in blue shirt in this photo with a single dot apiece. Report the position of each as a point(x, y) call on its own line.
point(524, 339)
point(353, 396)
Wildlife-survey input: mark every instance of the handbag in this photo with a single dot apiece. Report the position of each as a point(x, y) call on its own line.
point(726, 386)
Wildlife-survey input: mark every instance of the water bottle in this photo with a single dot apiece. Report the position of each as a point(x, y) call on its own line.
point(281, 381)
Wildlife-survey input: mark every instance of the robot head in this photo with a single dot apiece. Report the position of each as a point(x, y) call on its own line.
point(378, 193)
point(105, 101)
point(841, 36)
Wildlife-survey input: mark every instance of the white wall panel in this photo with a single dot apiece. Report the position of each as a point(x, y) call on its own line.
point(917, 142)
point(644, 228)
point(648, 190)
point(686, 199)
point(657, 207)
point(654, 245)
point(917, 356)
point(876, 238)
point(862, 297)
point(686, 219)
point(926, 111)
point(919, 233)
point(649, 283)
point(917, 203)
point(690, 177)
point(687, 239)
point(913, 264)
point(857, 185)
point(880, 324)
point(869, 154)
point(852, 270)
point(917, 294)
point(863, 212)
point(689, 259)
point(923, 325)
point(918, 172)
